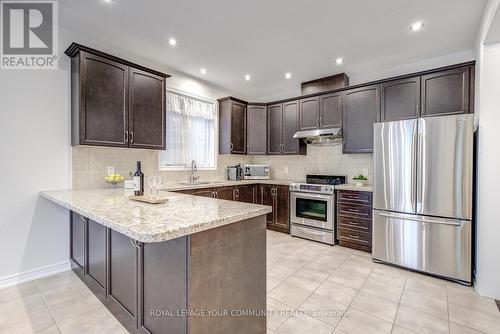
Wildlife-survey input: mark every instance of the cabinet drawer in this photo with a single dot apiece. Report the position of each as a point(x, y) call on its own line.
point(355, 236)
point(353, 223)
point(353, 210)
point(358, 197)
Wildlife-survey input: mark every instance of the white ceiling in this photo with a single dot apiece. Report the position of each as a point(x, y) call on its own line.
point(266, 38)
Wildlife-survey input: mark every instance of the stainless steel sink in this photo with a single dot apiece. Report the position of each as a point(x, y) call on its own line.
point(196, 183)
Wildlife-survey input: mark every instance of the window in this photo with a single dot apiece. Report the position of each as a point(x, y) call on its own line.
point(191, 125)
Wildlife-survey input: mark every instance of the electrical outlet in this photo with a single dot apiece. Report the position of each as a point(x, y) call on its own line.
point(111, 170)
point(286, 170)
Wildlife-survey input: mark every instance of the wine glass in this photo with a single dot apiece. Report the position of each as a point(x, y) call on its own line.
point(158, 183)
point(151, 183)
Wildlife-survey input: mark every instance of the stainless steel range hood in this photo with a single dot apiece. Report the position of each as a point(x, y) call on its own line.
point(320, 136)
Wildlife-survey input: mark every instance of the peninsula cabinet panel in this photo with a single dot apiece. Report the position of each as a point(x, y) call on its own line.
point(122, 288)
point(446, 92)
point(256, 129)
point(77, 233)
point(115, 102)
point(309, 114)
point(232, 126)
point(275, 126)
point(330, 111)
point(103, 98)
point(400, 99)
point(146, 110)
point(96, 254)
point(361, 111)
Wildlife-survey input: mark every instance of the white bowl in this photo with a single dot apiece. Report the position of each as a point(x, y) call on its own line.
point(359, 183)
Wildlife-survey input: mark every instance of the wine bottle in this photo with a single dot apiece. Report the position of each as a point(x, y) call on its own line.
point(138, 181)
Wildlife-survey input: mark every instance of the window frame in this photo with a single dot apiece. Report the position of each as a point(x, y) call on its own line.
point(162, 168)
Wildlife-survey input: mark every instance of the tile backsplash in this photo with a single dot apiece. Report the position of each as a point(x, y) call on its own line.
point(90, 164)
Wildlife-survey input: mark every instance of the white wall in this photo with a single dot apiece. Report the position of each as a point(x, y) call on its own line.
point(488, 161)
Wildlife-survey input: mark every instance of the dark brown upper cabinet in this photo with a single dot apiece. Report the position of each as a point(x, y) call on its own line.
point(256, 129)
point(361, 110)
point(330, 111)
point(115, 102)
point(446, 92)
point(400, 99)
point(283, 122)
point(309, 114)
point(146, 110)
point(232, 126)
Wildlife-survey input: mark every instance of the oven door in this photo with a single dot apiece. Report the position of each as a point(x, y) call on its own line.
point(312, 209)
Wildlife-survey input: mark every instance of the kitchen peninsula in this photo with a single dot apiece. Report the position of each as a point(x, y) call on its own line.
point(190, 265)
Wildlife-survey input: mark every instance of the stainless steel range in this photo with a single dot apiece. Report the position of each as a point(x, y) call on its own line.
point(312, 208)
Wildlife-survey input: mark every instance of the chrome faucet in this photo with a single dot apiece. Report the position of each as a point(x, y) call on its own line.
point(194, 168)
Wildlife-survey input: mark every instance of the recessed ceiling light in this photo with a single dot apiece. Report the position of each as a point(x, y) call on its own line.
point(172, 41)
point(288, 75)
point(203, 71)
point(339, 61)
point(247, 77)
point(416, 26)
point(109, 1)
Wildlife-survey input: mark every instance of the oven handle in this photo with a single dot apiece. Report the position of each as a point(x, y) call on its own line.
point(297, 194)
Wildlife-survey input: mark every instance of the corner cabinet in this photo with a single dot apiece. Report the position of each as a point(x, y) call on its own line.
point(232, 126)
point(114, 102)
point(361, 109)
point(282, 124)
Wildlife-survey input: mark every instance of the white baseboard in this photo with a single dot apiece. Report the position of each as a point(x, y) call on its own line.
point(34, 274)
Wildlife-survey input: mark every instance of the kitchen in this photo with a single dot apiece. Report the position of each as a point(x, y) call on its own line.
point(352, 193)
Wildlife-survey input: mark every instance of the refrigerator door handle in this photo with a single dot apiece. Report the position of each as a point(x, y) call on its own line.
point(431, 221)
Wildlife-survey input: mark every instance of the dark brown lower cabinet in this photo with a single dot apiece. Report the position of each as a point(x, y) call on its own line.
point(149, 287)
point(276, 196)
point(226, 193)
point(245, 193)
point(206, 192)
point(354, 219)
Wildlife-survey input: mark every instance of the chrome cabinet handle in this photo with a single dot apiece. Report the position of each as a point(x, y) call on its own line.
point(135, 243)
point(126, 136)
point(354, 236)
point(231, 147)
point(237, 192)
point(416, 111)
point(320, 121)
point(131, 137)
point(353, 210)
point(352, 223)
point(83, 219)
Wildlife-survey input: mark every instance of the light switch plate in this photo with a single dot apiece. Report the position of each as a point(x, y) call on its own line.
point(111, 170)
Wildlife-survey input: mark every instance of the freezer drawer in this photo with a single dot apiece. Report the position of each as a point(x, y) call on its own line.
point(437, 246)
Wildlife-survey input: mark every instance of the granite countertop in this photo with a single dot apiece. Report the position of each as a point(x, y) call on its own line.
point(181, 215)
point(352, 186)
point(222, 183)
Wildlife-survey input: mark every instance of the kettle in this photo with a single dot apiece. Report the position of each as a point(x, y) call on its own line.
point(235, 173)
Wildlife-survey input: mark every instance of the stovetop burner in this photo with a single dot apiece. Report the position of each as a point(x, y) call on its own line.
point(332, 180)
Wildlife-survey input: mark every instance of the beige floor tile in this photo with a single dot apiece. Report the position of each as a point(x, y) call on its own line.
point(339, 331)
point(426, 278)
point(436, 307)
point(277, 313)
point(459, 329)
point(18, 292)
point(289, 294)
point(59, 281)
point(271, 283)
point(26, 315)
point(320, 268)
point(401, 330)
point(363, 270)
point(471, 299)
point(308, 279)
point(347, 277)
point(376, 306)
point(301, 324)
point(356, 322)
point(336, 292)
point(430, 288)
point(280, 271)
point(97, 320)
point(389, 275)
point(323, 309)
point(330, 260)
point(420, 322)
point(468, 317)
point(386, 291)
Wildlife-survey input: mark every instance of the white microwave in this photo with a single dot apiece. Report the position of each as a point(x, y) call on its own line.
point(256, 172)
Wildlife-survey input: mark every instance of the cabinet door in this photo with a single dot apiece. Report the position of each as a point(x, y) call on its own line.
point(309, 114)
point(400, 99)
point(446, 92)
point(226, 193)
point(123, 267)
point(256, 129)
point(267, 198)
point(206, 192)
point(78, 226)
point(96, 256)
point(290, 126)
point(238, 127)
point(282, 208)
point(245, 193)
point(275, 120)
point(361, 110)
point(330, 111)
point(103, 101)
point(146, 110)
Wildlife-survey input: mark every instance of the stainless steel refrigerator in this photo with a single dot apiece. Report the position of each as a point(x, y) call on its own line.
point(423, 195)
